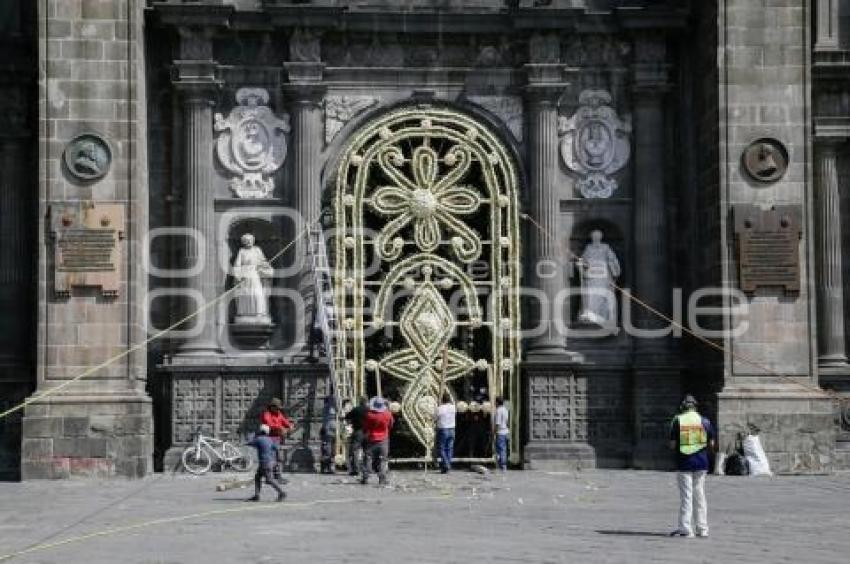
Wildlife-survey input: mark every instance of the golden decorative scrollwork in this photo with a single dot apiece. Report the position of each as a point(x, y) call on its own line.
point(438, 177)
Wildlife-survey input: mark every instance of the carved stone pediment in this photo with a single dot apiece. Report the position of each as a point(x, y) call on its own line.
point(595, 143)
point(340, 109)
point(251, 143)
point(506, 108)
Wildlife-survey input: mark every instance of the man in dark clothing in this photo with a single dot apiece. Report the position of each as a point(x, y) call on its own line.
point(328, 436)
point(267, 455)
point(691, 435)
point(478, 425)
point(356, 439)
point(376, 427)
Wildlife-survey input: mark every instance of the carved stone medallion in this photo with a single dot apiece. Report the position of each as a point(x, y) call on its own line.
point(340, 109)
point(595, 143)
point(251, 143)
point(87, 157)
point(765, 160)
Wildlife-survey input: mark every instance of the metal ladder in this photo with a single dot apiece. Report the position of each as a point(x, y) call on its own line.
point(326, 319)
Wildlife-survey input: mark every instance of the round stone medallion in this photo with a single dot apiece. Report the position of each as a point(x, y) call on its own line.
point(87, 157)
point(765, 160)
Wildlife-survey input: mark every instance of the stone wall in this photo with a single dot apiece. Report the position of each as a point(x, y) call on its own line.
point(91, 80)
point(765, 92)
point(764, 63)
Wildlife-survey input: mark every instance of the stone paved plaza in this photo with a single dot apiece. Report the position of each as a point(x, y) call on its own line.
point(596, 516)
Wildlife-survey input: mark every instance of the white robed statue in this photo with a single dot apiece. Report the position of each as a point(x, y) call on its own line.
point(252, 269)
point(598, 268)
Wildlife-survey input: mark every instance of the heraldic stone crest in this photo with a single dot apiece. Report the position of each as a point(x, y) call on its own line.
point(595, 143)
point(251, 143)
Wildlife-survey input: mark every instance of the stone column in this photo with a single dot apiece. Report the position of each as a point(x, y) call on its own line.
point(832, 352)
point(307, 124)
point(656, 386)
point(16, 223)
point(196, 81)
point(652, 281)
point(826, 22)
point(554, 442)
point(650, 215)
point(14, 258)
point(546, 261)
point(200, 212)
point(305, 91)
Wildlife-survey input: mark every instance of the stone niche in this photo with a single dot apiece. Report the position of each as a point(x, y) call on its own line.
point(579, 217)
point(248, 334)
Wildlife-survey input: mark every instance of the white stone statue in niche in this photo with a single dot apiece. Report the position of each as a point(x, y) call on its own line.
point(598, 268)
point(251, 143)
point(253, 271)
point(595, 143)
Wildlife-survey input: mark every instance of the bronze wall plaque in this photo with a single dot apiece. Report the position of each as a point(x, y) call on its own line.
point(768, 247)
point(86, 250)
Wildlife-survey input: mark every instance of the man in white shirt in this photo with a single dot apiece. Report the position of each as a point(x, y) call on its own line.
point(502, 432)
point(445, 418)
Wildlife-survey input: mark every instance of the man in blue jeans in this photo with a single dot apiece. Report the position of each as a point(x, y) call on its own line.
point(445, 416)
point(267, 455)
point(502, 432)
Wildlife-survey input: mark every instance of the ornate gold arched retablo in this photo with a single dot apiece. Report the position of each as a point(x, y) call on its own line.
point(427, 263)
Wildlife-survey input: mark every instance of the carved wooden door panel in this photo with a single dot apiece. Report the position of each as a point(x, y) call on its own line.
point(427, 268)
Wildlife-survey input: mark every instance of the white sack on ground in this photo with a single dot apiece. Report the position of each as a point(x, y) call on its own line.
point(757, 459)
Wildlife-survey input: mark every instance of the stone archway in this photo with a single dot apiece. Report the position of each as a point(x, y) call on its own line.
point(427, 267)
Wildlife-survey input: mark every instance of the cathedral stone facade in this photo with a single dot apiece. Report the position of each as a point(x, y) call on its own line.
point(208, 204)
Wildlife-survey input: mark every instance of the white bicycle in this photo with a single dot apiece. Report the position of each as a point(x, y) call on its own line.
point(199, 456)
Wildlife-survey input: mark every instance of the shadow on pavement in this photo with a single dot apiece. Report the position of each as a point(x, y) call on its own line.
point(632, 533)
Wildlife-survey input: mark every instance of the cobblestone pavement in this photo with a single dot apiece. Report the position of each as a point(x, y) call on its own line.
point(592, 516)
